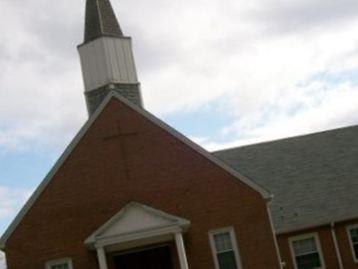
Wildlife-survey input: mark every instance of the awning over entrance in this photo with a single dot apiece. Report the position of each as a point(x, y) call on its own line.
point(138, 225)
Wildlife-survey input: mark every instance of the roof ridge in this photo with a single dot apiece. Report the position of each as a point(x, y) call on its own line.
point(100, 20)
point(288, 138)
point(99, 17)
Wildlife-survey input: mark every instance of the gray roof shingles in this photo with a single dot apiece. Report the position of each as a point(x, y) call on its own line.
point(100, 20)
point(314, 178)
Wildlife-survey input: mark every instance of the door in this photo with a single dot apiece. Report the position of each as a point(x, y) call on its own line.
point(156, 258)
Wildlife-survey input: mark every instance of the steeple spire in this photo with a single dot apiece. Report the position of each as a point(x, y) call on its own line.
point(106, 57)
point(100, 20)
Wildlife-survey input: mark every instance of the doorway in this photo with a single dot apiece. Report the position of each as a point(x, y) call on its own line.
point(154, 258)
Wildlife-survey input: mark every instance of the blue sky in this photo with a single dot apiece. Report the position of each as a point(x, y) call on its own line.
point(236, 72)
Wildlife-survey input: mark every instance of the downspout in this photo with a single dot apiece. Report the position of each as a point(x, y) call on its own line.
point(336, 246)
point(281, 263)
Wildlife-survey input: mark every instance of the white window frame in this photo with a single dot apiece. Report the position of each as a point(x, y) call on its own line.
point(303, 237)
point(231, 231)
point(67, 261)
point(349, 228)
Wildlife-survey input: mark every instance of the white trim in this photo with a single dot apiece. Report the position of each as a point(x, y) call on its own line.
point(67, 261)
point(103, 242)
point(265, 194)
point(101, 256)
point(348, 229)
point(336, 246)
point(278, 252)
point(231, 231)
point(302, 237)
point(112, 84)
point(176, 225)
point(179, 242)
point(141, 249)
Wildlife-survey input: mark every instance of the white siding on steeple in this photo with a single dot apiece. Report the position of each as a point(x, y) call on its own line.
point(107, 60)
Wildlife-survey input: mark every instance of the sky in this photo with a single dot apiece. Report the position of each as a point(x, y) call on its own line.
point(223, 72)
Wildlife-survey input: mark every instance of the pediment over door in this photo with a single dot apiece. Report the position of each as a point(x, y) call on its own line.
point(137, 222)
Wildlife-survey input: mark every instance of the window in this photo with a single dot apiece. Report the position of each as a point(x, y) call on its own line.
point(59, 264)
point(306, 252)
point(353, 236)
point(224, 249)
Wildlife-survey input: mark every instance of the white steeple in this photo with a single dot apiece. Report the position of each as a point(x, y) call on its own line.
point(106, 57)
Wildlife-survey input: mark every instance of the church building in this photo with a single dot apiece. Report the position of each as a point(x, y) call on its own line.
point(130, 191)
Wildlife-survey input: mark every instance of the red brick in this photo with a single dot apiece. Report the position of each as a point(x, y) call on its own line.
point(104, 173)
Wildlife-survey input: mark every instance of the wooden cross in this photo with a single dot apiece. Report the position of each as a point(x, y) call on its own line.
point(119, 135)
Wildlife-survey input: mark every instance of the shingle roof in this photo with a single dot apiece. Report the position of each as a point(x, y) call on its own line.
point(314, 178)
point(100, 20)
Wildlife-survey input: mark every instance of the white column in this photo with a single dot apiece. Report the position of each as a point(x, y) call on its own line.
point(101, 255)
point(181, 251)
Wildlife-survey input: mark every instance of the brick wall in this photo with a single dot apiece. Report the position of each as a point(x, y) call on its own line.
point(327, 245)
point(106, 171)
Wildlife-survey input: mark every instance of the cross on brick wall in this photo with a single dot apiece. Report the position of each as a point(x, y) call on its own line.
point(121, 136)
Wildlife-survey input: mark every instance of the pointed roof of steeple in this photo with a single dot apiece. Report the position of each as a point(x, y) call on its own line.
point(100, 20)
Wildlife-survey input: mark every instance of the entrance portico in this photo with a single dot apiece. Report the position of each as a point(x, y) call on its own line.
point(138, 225)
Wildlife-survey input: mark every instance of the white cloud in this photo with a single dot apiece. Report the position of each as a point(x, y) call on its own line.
point(259, 58)
point(216, 51)
point(12, 200)
point(40, 96)
point(336, 107)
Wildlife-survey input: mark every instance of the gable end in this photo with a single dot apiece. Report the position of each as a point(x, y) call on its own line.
point(248, 182)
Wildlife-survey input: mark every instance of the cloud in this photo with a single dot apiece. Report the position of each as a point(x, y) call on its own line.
point(40, 94)
point(336, 106)
point(11, 201)
point(305, 15)
point(261, 59)
point(251, 67)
